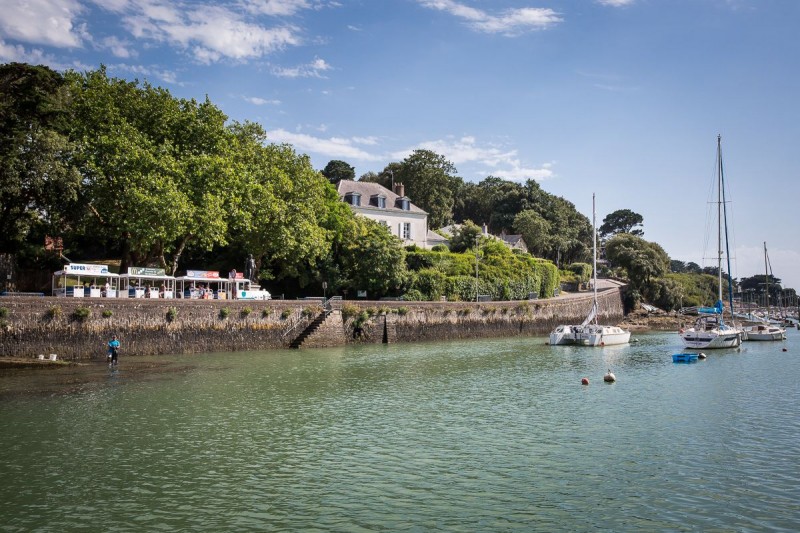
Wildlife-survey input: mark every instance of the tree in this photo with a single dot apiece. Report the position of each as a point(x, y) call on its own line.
point(156, 169)
point(429, 182)
point(641, 260)
point(372, 258)
point(621, 221)
point(38, 183)
point(337, 170)
point(467, 237)
point(535, 230)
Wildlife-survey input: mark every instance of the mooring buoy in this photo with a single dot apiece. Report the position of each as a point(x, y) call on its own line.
point(609, 377)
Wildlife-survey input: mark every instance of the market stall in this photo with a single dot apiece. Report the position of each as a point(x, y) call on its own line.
point(202, 284)
point(78, 280)
point(145, 282)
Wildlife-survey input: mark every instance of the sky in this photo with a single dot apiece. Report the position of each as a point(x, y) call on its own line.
point(622, 98)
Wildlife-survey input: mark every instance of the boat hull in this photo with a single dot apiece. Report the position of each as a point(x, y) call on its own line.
point(709, 340)
point(765, 333)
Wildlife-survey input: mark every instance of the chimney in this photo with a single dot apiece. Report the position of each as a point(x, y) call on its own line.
point(399, 190)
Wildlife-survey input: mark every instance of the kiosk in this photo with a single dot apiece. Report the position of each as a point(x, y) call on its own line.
point(202, 284)
point(79, 280)
point(144, 282)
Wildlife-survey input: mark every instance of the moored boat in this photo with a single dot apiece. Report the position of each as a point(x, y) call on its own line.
point(589, 332)
point(710, 330)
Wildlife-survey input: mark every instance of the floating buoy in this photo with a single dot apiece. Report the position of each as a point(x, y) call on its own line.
point(584, 381)
point(609, 377)
point(785, 350)
point(701, 355)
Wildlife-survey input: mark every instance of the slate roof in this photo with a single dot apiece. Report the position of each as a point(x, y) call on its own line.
point(369, 190)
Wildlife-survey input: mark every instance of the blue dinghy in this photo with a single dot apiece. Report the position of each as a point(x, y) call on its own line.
point(684, 357)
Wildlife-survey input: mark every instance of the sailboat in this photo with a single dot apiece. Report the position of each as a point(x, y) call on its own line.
point(589, 332)
point(710, 330)
point(766, 331)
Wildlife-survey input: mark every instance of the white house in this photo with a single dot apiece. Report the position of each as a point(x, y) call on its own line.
point(393, 209)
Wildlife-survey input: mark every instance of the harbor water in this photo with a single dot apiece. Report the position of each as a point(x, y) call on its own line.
point(485, 435)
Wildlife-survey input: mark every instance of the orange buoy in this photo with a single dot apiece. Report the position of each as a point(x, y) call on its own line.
point(584, 381)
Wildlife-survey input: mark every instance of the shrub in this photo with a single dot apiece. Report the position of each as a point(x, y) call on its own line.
point(224, 313)
point(384, 310)
point(402, 311)
point(308, 312)
point(4, 312)
point(172, 314)
point(244, 313)
point(349, 311)
point(413, 295)
point(285, 314)
point(440, 248)
point(108, 313)
point(265, 313)
point(53, 312)
point(81, 313)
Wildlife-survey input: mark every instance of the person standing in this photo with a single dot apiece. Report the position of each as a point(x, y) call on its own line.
point(113, 350)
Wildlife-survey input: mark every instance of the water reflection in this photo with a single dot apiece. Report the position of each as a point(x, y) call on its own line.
point(479, 435)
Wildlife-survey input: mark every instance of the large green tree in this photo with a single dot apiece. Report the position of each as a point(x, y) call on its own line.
point(337, 170)
point(641, 260)
point(38, 183)
point(156, 170)
point(535, 230)
point(622, 221)
point(429, 181)
point(371, 259)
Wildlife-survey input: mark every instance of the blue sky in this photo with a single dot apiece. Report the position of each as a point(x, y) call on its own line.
point(624, 98)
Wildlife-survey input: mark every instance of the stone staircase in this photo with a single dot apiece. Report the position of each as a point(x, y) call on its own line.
point(324, 331)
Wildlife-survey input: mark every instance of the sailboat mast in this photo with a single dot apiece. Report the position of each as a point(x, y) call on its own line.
point(766, 276)
point(594, 255)
point(719, 216)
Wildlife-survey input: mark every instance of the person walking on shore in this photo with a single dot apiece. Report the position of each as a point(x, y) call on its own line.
point(113, 350)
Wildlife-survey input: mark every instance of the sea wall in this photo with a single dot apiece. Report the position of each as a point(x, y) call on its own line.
point(78, 329)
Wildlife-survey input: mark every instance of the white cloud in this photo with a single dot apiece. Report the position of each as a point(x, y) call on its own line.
point(276, 7)
point(210, 33)
point(616, 3)
point(333, 147)
point(310, 70)
point(260, 101)
point(509, 22)
point(118, 47)
point(45, 22)
point(495, 161)
point(16, 53)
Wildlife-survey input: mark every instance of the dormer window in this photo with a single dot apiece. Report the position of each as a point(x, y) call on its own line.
point(379, 201)
point(353, 198)
point(403, 204)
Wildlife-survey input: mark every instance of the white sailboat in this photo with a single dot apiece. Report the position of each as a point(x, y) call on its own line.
point(710, 330)
point(766, 331)
point(589, 332)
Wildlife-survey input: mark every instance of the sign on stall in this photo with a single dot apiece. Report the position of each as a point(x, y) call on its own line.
point(78, 268)
point(202, 274)
point(146, 271)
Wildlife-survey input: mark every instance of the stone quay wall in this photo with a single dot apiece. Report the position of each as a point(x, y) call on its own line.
point(78, 329)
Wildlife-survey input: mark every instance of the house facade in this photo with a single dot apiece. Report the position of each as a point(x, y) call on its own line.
point(391, 208)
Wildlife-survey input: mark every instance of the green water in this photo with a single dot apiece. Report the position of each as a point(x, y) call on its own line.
point(494, 435)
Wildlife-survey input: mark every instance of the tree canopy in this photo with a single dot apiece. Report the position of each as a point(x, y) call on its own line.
point(621, 221)
point(337, 170)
